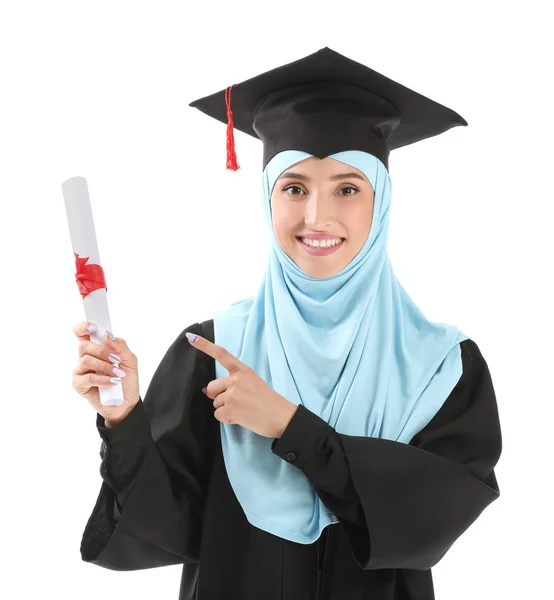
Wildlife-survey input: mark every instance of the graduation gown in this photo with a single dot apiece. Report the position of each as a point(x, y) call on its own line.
point(165, 498)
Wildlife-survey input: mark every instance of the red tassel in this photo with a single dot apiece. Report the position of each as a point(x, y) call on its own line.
point(232, 163)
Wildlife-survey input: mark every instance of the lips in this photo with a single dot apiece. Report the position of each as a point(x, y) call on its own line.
point(321, 250)
point(320, 238)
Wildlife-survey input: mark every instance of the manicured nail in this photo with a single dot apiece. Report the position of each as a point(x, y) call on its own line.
point(204, 391)
point(118, 372)
point(111, 335)
point(191, 337)
point(91, 328)
point(115, 380)
point(114, 358)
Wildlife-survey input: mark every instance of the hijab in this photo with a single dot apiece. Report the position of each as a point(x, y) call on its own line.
point(352, 348)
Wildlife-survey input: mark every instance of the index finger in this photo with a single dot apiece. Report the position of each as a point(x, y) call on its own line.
point(223, 356)
point(97, 350)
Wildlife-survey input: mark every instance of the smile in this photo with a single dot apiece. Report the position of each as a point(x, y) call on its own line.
point(320, 250)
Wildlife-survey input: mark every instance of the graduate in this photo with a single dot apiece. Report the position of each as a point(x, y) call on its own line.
point(322, 439)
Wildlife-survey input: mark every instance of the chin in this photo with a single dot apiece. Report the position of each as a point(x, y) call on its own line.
point(321, 273)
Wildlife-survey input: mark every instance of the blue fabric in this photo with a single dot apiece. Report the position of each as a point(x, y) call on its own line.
point(352, 348)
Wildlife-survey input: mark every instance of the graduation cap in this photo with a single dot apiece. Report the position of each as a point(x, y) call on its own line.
point(326, 103)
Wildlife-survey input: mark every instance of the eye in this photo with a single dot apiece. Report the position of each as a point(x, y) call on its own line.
point(290, 187)
point(350, 187)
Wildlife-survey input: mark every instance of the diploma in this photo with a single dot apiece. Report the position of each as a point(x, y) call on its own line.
point(89, 274)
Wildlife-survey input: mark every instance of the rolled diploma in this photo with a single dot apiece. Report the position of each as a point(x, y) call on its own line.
point(83, 240)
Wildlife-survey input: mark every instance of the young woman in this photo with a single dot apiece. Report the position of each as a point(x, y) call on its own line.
point(321, 439)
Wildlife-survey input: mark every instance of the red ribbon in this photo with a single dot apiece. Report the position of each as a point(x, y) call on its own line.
point(88, 277)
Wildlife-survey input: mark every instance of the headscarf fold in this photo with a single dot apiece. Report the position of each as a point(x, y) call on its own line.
point(352, 348)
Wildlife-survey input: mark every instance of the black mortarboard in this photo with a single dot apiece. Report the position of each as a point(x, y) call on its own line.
point(326, 103)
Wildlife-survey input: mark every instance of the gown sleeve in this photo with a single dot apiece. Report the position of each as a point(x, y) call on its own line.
point(155, 469)
point(404, 505)
point(123, 449)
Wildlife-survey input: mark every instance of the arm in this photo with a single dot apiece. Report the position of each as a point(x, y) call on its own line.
point(403, 505)
point(123, 450)
point(158, 461)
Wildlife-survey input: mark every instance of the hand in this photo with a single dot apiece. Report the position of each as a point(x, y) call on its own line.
point(94, 368)
point(243, 397)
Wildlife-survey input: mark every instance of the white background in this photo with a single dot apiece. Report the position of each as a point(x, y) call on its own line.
point(101, 89)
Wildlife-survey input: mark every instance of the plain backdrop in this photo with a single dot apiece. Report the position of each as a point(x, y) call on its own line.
point(101, 89)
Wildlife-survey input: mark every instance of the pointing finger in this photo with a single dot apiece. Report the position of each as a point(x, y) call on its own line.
point(223, 357)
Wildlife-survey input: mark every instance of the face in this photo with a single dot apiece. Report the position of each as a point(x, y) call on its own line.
point(322, 199)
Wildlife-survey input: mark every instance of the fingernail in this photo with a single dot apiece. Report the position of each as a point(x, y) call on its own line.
point(111, 335)
point(114, 358)
point(204, 390)
point(191, 337)
point(91, 328)
point(118, 372)
point(115, 380)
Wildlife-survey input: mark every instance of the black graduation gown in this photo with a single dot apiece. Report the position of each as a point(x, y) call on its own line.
point(166, 499)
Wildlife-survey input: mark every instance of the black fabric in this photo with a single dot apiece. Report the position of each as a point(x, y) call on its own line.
point(161, 470)
point(123, 453)
point(326, 103)
point(400, 506)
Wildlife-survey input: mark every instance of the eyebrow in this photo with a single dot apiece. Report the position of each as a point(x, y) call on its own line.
point(292, 175)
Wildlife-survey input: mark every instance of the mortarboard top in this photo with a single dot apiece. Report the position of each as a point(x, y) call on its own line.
point(326, 103)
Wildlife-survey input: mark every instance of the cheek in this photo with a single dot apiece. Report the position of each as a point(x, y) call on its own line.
point(360, 222)
point(284, 218)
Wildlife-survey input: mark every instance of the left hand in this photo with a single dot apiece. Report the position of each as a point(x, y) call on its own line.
point(243, 397)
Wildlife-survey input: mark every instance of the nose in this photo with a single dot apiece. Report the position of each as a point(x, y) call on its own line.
point(319, 211)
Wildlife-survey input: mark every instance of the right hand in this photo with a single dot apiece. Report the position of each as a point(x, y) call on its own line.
point(93, 359)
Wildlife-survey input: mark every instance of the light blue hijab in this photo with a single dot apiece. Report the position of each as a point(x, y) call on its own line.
point(352, 348)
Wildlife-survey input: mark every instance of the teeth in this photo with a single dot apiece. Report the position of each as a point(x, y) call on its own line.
point(321, 243)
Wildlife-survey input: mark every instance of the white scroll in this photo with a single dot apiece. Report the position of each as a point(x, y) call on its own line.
point(89, 274)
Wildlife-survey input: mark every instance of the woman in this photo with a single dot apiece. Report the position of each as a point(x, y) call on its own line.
point(352, 441)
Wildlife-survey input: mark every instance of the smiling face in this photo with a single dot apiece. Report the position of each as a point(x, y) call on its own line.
point(322, 198)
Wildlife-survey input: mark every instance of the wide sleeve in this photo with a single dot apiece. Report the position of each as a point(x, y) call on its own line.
point(123, 449)
point(155, 468)
point(404, 505)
